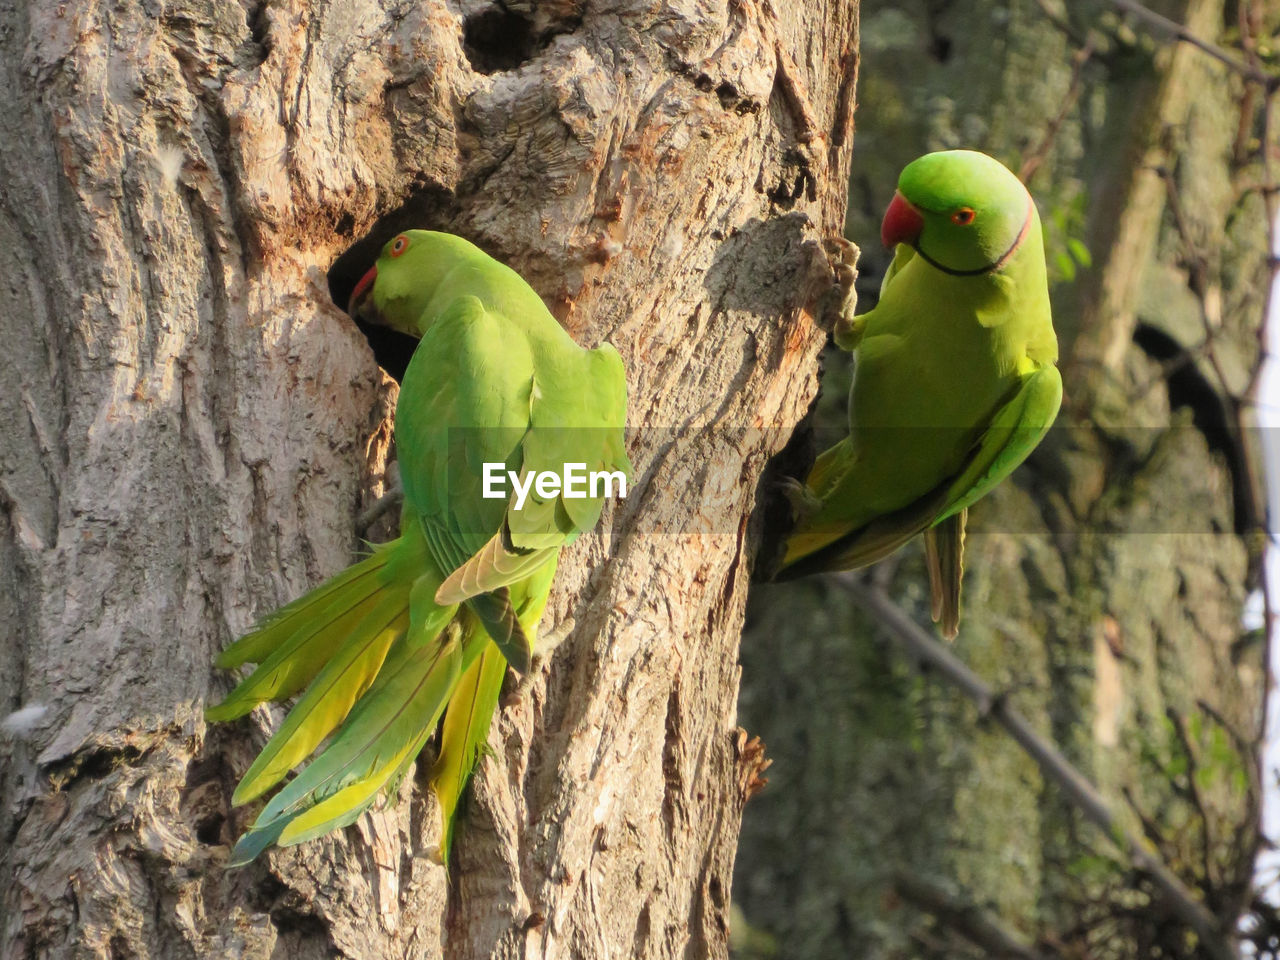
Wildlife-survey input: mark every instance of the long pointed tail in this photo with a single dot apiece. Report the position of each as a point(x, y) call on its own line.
point(379, 659)
point(333, 640)
point(944, 558)
point(466, 730)
point(295, 642)
point(382, 734)
point(475, 699)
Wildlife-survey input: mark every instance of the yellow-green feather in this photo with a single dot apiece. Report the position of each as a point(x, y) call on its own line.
point(359, 580)
point(329, 698)
point(464, 733)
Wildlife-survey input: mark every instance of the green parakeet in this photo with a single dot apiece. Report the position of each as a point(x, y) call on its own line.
point(429, 622)
point(954, 377)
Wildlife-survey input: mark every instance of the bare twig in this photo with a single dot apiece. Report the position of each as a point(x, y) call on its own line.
point(1173, 28)
point(1252, 393)
point(1242, 744)
point(1150, 829)
point(1244, 127)
point(1168, 367)
point(1267, 83)
point(1037, 156)
point(1198, 273)
point(970, 921)
point(1053, 765)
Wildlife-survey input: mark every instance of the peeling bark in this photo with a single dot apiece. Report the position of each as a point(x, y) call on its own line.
point(193, 427)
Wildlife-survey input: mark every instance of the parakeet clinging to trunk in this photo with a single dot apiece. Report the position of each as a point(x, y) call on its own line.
point(429, 622)
point(954, 378)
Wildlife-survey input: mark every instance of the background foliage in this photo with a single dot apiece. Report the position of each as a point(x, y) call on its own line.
point(1106, 582)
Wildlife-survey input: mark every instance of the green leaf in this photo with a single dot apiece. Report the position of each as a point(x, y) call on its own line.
point(1080, 252)
point(1066, 266)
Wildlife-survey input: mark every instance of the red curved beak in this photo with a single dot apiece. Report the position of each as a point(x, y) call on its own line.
point(902, 222)
point(362, 288)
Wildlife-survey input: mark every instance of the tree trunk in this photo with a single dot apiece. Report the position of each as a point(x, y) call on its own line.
point(192, 426)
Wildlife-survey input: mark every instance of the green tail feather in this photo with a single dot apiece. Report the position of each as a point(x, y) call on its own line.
point(255, 842)
point(381, 660)
point(319, 631)
point(383, 734)
point(330, 697)
point(356, 582)
point(294, 643)
point(465, 731)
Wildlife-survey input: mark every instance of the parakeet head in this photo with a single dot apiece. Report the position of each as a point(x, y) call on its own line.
point(397, 289)
point(963, 212)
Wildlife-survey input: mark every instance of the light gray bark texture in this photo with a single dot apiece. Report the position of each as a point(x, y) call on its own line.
point(191, 425)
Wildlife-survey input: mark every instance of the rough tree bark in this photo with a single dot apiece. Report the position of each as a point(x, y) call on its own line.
point(192, 425)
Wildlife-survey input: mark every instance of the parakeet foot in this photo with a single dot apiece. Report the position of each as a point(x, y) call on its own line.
point(804, 503)
point(843, 298)
point(385, 503)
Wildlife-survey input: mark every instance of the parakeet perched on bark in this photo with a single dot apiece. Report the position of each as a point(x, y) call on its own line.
point(954, 378)
point(430, 621)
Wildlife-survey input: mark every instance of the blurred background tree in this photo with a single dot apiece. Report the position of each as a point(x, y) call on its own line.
point(1107, 583)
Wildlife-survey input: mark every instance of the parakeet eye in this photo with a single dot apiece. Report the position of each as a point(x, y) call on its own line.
point(963, 217)
point(399, 245)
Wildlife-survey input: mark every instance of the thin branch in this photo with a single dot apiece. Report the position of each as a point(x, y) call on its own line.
point(1181, 900)
point(1250, 822)
point(1037, 156)
point(1173, 28)
point(970, 921)
point(1150, 829)
point(1252, 394)
point(1213, 713)
point(1198, 273)
point(1244, 126)
point(1252, 398)
point(1183, 358)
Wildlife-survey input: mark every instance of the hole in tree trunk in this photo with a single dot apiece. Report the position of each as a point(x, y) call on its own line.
point(496, 40)
point(391, 349)
point(425, 209)
point(1189, 388)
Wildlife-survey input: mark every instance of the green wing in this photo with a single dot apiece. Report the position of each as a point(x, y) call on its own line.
point(1015, 429)
point(464, 402)
point(575, 418)
point(528, 404)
